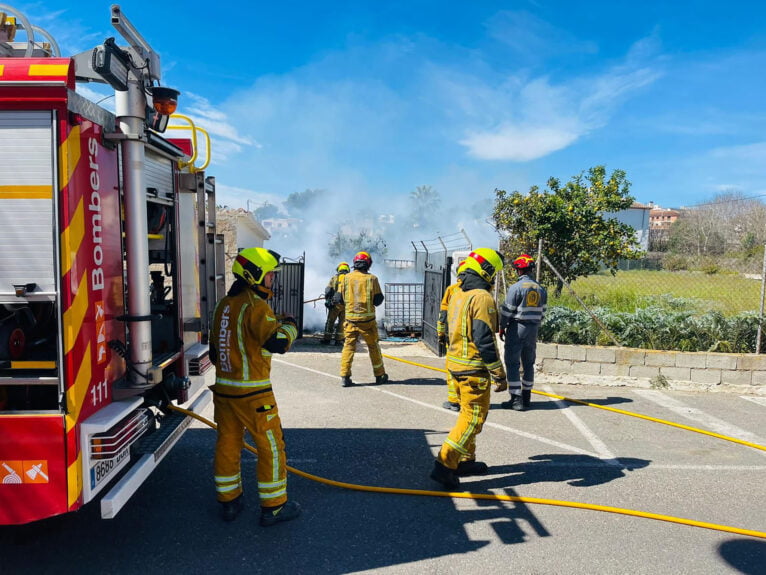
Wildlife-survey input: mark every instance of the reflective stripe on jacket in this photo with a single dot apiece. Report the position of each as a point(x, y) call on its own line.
point(242, 324)
point(441, 324)
point(525, 301)
point(472, 324)
point(358, 290)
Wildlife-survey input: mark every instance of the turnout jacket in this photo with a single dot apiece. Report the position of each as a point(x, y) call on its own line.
point(441, 324)
point(525, 302)
point(472, 321)
point(245, 333)
point(360, 292)
point(332, 288)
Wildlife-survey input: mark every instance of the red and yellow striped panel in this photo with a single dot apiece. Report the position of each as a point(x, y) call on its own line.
point(29, 70)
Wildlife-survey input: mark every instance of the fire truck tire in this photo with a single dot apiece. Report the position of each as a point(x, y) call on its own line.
point(13, 341)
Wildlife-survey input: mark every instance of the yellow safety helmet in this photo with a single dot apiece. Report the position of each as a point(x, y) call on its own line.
point(486, 262)
point(252, 264)
point(343, 268)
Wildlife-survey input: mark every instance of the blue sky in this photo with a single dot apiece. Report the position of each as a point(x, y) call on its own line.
point(369, 100)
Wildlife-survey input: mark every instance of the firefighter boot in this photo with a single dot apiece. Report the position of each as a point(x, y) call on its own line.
point(516, 403)
point(471, 467)
point(230, 509)
point(347, 381)
point(380, 379)
point(451, 406)
point(526, 398)
point(444, 475)
point(273, 515)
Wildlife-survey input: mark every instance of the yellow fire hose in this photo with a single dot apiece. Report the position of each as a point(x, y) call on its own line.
point(620, 411)
point(494, 497)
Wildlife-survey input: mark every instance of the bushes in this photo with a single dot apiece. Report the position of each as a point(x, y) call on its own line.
point(654, 327)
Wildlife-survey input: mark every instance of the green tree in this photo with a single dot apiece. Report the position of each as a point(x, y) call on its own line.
point(266, 211)
point(575, 222)
point(425, 204)
point(346, 245)
point(299, 203)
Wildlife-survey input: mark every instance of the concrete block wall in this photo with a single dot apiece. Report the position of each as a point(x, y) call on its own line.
point(739, 372)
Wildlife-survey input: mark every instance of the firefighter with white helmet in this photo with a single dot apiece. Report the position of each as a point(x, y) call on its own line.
point(245, 334)
point(474, 362)
point(360, 293)
point(520, 318)
point(336, 312)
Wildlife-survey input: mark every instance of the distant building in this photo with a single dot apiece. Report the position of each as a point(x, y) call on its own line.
point(240, 230)
point(662, 218)
point(276, 225)
point(636, 216)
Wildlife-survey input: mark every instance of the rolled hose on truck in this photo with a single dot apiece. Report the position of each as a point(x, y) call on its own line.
point(514, 498)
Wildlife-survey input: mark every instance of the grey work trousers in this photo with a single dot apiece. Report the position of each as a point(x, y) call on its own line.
point(520, 352)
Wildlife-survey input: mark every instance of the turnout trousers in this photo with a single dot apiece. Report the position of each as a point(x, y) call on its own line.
point(333, 327)
point(368, 331)
point(520, 352)
point(460, 444)
point(258, 415)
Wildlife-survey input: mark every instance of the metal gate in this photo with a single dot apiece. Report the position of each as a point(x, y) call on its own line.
point(288, 291)
point(434, 285)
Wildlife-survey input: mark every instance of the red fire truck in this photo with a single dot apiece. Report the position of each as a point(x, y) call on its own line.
point(110, 266)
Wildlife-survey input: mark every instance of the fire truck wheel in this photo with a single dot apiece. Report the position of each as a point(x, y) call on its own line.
point(12, 342)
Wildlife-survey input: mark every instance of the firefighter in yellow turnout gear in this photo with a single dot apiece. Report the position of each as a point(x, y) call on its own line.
point(360, 293)
point(474, 362)
point(453, 399)
point(244, 334)
point(336, 312)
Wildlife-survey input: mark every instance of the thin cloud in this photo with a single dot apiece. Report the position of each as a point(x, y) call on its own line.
point(541, 118)
point(518, 143)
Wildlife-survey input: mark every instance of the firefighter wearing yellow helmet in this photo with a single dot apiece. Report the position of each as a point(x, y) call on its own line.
point(474, 362)
point(360, 294)
point(453, 400)
point(245, 333)
point(520, 318)
point(336, 313)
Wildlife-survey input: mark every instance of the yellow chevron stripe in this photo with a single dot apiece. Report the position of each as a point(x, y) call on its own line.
point(72, 237)
point(48, 69)
point(26, 192)
point(74, 316)
point(75, 395)
point(74, 481)
point(69, 156)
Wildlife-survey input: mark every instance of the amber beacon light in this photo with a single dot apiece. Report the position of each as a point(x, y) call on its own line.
point(165, 100)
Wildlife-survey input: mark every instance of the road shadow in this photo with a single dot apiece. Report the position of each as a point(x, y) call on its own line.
point(172, 523)
point(575, 470)
point(747, 556)
point(544, 403)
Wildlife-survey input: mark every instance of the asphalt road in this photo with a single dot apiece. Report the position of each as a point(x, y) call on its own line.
point(386, 436)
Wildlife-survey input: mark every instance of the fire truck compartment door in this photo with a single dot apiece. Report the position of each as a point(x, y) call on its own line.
point(27, 240)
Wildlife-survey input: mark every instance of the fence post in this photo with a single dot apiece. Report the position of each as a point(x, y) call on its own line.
point(539, 255)
point(760, 314)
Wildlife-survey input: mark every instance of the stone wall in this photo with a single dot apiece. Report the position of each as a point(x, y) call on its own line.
point(739, 372)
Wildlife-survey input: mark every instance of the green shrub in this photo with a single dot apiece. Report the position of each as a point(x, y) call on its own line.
point(674, 262)
point(653, 327)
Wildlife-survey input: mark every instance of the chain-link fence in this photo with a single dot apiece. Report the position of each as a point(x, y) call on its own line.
point(645, 307)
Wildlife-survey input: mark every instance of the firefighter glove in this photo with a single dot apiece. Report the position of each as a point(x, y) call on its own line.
point(502, 334)
point(500, 384)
